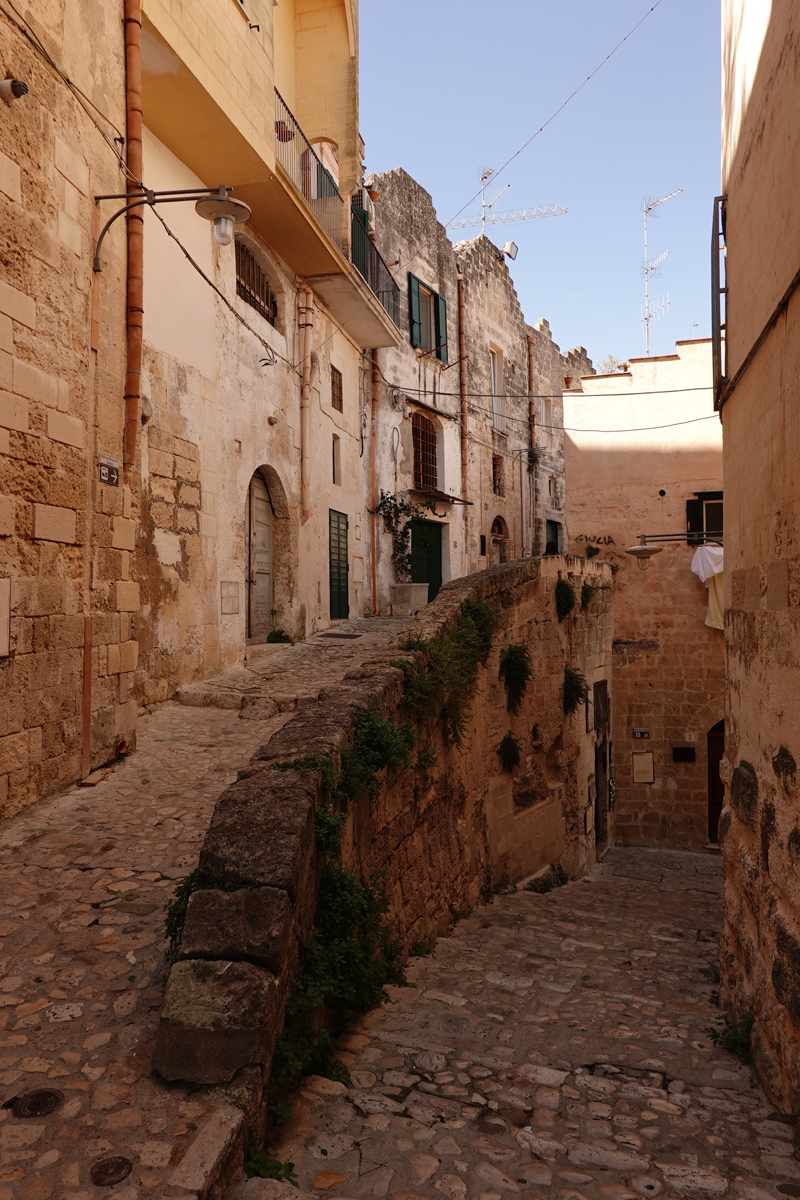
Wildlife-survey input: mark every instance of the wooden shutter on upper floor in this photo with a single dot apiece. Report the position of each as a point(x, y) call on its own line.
point(414, 318)
point(694, 520)
point(441, 328)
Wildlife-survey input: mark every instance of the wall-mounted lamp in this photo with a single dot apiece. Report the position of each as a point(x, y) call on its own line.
point(643, 553)
point(12, 89)
point(214, 204)
point(511, 250)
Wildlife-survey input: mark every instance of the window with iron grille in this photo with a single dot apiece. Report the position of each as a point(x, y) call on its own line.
point(498, 484)
point(252, 284)
point(336, 390)
point(424, 435)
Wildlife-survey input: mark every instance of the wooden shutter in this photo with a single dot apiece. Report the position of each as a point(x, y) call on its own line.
point(694, 520)
point(441, 328)
point(414, 318)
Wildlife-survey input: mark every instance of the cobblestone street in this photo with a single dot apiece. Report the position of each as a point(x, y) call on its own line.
point(554, 1045)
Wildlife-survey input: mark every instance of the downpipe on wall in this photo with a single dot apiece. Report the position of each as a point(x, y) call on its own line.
point(305, 312)
point(532, 417)
point(462, 382)
point(135, 219)
point(372, 515)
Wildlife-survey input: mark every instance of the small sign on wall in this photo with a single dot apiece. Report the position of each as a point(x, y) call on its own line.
point(108, 470)
point(638, 732)
point(229, 599)
point(643, 768)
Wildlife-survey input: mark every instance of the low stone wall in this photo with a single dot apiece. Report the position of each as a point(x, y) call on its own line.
point(439, 836)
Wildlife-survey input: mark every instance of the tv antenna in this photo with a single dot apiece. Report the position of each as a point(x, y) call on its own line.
point(510, 217)
point(652, 314)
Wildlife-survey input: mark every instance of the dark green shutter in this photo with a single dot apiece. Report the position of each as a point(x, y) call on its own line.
point(441, 328)
point(414, 319)
point(694, 520)
point(339, 566)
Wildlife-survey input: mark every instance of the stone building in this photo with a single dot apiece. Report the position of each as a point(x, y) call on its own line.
point(68, 600)
point(253, 498)
point(757, 386)
point(668, 661)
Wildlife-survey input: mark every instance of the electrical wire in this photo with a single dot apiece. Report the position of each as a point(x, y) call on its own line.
point(558, 110)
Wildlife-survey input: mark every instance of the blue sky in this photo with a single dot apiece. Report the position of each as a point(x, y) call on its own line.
point(448, 86)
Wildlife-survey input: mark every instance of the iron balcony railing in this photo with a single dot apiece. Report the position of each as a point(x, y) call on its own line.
point(369, 261)
point(304, 168)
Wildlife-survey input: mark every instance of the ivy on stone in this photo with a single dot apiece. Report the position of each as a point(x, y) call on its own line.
point(565, 598)
point(515, 671)
point(397, 516)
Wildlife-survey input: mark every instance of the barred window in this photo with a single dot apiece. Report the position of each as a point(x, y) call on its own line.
point(498, 483)
point(252, 284)
point(424, 436)
point(336, 390)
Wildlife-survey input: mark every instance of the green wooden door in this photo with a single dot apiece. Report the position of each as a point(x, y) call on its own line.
point(426, 555)
point(340, 607)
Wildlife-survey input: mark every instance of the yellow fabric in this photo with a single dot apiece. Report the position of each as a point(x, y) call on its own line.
point(716, 607)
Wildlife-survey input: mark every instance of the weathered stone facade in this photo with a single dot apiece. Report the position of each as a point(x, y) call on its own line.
point(758, 396)
point(439, 836)
point(68, 621)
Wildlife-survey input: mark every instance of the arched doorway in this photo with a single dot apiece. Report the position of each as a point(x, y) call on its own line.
point(499, 542)
point(716, 790)
point(259, 559)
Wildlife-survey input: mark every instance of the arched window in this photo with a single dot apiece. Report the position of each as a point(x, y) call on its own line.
point(499, 542)
point(252, 283)
point(424, 437)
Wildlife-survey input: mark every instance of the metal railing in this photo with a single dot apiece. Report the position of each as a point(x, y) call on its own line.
point(367, 258)
point(305, 169)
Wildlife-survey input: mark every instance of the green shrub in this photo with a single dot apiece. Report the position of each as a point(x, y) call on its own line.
point(279, 635)
point(258, 1164)
point(421, 949)
point(565, 598)
point(377, 743)
point(515, 671)
point(587, 592)
point(576, 690)
point(509, 751)
point(734, 1036)
point(328, 826)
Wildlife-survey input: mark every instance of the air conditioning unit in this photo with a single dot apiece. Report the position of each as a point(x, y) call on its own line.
point(361, 199)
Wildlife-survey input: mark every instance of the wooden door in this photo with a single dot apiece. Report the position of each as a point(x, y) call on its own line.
point(340, 603)
point(716, 789)
point(260, 559)
point(426, 555)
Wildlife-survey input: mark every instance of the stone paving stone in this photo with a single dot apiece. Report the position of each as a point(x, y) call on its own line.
point(553, 1045)
point(84, 878)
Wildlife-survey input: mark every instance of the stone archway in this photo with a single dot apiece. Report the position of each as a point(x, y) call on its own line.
point(266, 552)
point(499, 546)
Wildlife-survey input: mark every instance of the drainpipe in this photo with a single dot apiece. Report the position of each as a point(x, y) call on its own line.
point(462, 380)
point(306, 314)
point(135, 299)
point(372, 479)
point(532, 417)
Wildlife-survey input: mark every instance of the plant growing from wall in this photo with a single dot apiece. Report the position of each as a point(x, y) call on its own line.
point(576, 690)
point(734, 1036)
point(565, 598)
point(587, 592)
point(509, 751)
point(259, 1165)
point(279, 635)
point(397, 516)
point(515, 671)
point(443, 687)
point(533, 459)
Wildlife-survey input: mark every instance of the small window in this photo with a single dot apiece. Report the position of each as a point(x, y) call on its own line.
point(337, 460)
point(252, 284)
point(336, 390)
point(684, 754)
point(552, 489)
point(427, 313)
point(498, 398)
point(498, 483)
point(704, 518)
point(424, 438)
point(483, 545)
point(547, 416)
point(600, 697)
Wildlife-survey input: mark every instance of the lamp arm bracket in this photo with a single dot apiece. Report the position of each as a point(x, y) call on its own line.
point(148, 196)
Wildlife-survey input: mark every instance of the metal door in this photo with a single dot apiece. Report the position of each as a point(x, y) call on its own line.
point(426, 555)
point(260, 559)
point(340, 605)
point(716, 788)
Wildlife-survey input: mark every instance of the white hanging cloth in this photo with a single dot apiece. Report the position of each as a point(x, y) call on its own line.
point(707, 561)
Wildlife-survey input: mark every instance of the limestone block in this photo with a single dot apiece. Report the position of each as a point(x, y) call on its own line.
point(127, 596)
point(69, 233)
point(13, 412)
point(6, 516)
point(214, 1159)
point(71, 167)
point(63, 428)
point(123, 533)
point(217, 1017)
point(125, 720)
point(10, 179)
point(6, 334)
point(253, 924)
point(113, 667)
point(17, 305)
point(128, 656)
point(53, 524)
point(262, 832)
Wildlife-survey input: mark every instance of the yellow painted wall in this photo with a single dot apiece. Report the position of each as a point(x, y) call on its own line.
point(284, 32)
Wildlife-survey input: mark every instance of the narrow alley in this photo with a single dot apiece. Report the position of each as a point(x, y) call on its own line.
point(552, 1045)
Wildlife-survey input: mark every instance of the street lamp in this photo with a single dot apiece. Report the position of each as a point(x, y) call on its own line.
point(214, 204)
point(643, 553)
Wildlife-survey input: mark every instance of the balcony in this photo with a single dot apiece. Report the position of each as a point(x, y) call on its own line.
point(367, 259)
point(301, 163)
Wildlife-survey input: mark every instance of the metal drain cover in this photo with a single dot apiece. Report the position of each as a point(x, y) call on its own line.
point(38, 1103)
point(108, 1171)
point(342, 636)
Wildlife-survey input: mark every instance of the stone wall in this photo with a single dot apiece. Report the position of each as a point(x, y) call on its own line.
point(439, 839)
point(65, 536)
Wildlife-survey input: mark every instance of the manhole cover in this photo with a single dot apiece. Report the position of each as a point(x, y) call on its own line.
point(343, 636)
point(108, 1171)
point(38, 1103)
